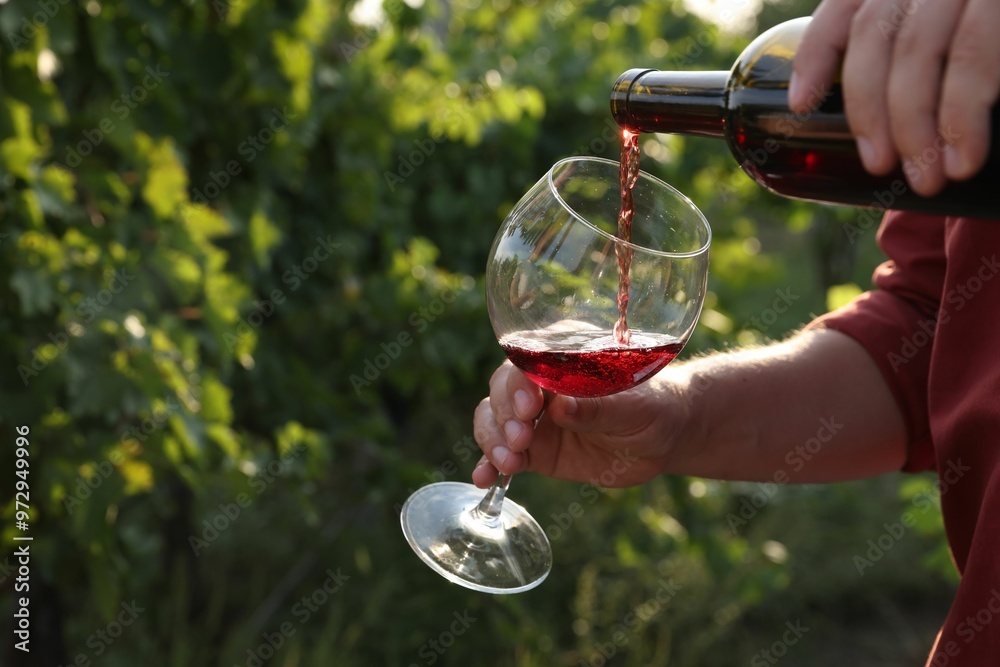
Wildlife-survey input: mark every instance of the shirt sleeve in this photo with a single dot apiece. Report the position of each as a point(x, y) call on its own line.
point(896, 321)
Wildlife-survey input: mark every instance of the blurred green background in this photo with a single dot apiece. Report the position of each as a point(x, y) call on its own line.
point(218, 214)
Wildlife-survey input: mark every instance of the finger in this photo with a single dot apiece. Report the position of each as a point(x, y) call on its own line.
point(527, 397)
point(819, 54)
point(515, 401)
point(492, 441)
point(914, 89)
point(485, 474)
point(865, 81)
point(969, 90)
point(546, 455)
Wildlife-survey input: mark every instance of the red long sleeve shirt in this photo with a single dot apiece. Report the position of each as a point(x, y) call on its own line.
point(933, 327)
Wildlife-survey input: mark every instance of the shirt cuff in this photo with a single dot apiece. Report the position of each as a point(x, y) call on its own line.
point(899, 341)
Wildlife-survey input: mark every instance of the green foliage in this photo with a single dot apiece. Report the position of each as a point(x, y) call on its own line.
point(241, 311)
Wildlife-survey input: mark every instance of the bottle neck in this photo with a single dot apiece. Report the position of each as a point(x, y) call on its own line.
point(647, 100)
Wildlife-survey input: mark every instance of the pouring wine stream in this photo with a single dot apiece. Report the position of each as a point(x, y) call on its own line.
point(628, 174)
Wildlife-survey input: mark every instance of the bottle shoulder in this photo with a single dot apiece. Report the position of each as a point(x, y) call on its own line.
point(767, 61)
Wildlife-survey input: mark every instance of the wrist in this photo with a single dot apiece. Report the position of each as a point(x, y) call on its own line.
point(681, 428)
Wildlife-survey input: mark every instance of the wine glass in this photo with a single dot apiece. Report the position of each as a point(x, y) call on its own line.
point(552, 287)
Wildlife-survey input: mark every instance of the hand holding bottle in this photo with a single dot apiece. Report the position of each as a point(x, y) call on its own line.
point(919, 82)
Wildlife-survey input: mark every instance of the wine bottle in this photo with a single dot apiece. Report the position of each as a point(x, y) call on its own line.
point(809, 156)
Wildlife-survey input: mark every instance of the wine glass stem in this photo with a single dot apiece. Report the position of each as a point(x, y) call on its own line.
point(488, 510)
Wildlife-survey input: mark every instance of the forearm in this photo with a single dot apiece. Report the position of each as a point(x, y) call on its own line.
point(814, 408)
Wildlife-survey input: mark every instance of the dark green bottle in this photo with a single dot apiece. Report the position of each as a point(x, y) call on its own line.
point(809, 156)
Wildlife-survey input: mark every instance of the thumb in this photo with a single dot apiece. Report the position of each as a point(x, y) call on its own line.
point(607, 414)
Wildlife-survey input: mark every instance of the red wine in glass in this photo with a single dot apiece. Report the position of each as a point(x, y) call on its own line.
point(589, 363)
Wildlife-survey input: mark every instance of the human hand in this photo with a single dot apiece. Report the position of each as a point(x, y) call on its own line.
point(614, 441)
point(919, 78)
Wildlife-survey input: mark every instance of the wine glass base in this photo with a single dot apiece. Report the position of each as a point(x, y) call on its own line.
point(441, 525)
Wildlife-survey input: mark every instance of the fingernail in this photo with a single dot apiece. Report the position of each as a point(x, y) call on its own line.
point(913, 172)
point(483, 461)
point(522, 402)
point(500, 454)
point(512, 429)
point(793, 88)
point(867, 152)
point(954, 164)
point(570, 405)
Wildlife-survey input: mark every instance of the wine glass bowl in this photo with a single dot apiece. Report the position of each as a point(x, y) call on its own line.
point(552, 279)
point(552, 288)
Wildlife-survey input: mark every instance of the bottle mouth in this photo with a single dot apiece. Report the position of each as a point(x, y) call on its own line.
point(620, 94)
point(647, 100)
